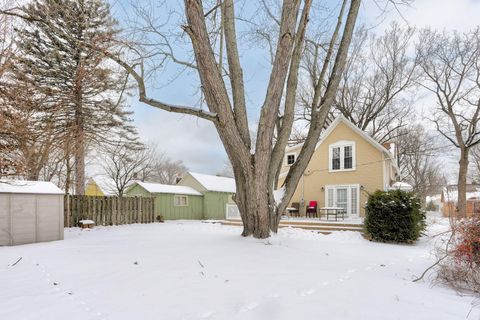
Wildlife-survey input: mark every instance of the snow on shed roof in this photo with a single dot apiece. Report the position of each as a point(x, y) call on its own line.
point(167, 188)
point(215, 183)
point(31, 187)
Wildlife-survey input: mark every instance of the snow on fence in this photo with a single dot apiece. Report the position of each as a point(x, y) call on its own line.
point(108, 210)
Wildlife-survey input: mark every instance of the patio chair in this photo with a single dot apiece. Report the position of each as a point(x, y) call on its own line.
point(312, 209)
point(294, 210)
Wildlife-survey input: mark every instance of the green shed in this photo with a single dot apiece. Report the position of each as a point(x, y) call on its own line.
point(217, 194)
point(171, 202)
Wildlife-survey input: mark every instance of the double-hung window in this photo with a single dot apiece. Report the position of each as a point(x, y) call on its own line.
point(180, 201)
point(342, 156)
point(290, 159)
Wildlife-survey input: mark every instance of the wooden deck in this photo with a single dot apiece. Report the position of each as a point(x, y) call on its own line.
point(325, 227)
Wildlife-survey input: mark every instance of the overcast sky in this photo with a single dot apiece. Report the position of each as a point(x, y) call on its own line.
point(196, 142)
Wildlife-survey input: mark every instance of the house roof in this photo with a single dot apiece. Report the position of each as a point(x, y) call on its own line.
point(360, 132)
point(451, 194)
point(215, 183)
point(167, 188)
point(30, 187)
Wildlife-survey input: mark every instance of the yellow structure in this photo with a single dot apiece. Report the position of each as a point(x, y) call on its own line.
point(346, 167)
point(92, 188)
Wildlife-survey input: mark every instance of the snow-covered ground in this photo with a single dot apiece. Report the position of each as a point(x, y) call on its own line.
point(194, 270)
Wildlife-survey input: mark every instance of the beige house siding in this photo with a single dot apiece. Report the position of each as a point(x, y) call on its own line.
point(372, 170)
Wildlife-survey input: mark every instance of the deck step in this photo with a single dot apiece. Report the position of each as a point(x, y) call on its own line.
point(306, 226)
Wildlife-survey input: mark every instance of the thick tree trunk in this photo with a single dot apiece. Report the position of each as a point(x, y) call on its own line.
point(462, 184)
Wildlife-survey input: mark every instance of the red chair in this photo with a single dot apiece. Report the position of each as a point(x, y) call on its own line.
point(312, 209)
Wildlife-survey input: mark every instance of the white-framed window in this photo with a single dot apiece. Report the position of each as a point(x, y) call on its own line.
point(342, 156)
point(290, 159)
point(344, 196)
point(180, 201)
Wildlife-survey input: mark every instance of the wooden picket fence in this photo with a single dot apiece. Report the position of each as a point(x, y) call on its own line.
point(108, 211)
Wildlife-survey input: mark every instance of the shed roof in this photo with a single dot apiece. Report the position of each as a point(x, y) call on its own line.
point(29, 187)
point(167, 188)
point(215, 183)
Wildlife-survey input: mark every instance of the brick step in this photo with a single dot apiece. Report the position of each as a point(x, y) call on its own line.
point(322, 229)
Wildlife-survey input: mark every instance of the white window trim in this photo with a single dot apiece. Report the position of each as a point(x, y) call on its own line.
point(286, 158)
point(349, 195)
point(180, 196)
point(342, 144)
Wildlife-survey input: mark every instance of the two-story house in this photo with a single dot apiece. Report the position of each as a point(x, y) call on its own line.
point(346, 167)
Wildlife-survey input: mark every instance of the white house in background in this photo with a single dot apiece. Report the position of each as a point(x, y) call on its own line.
point(30, 211)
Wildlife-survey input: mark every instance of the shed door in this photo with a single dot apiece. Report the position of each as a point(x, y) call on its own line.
point(23, 218)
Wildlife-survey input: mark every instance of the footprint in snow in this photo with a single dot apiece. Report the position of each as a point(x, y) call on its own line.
point(308, 292)
point(248, 307)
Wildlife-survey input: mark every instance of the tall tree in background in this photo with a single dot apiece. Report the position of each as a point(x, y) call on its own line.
point(371, 94)
point(77, 90)
point(451, 65)
point(165, 170)
point(123, 161)
point(417, 152)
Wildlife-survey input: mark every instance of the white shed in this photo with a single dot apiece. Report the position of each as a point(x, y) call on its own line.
point(30, 211)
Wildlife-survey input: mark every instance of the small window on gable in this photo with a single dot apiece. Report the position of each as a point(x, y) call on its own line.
point(180, 201)
point(336, 158)
point(342, 156)
point(348, 157)
point(290, 159)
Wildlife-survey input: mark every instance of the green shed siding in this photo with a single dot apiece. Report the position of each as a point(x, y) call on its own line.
point(164, 204)
point(215, 204)
point(164, 207)
point(138, 191)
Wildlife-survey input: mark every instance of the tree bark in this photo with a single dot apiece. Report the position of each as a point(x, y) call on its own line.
point(462, 184)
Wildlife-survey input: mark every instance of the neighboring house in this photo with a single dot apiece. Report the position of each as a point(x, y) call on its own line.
point(196, 196)
point(449, 200)
point(171, 202)
point(346, 167)
point(100, 186)
point(217, 192)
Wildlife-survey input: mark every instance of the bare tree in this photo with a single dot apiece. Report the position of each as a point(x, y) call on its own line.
point(417, 153)
point(451, 65)
point(123, 161)
point(165, 170)
point(378, 72)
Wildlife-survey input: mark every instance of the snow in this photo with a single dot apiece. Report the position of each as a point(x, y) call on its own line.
point(195, 270)
point(215, 183)
point(86, 222)
point(278, 195)
point(166, 188)
point(401, 186)
point(30, 187)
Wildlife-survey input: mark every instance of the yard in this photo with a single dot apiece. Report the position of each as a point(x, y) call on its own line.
point(194, 270)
